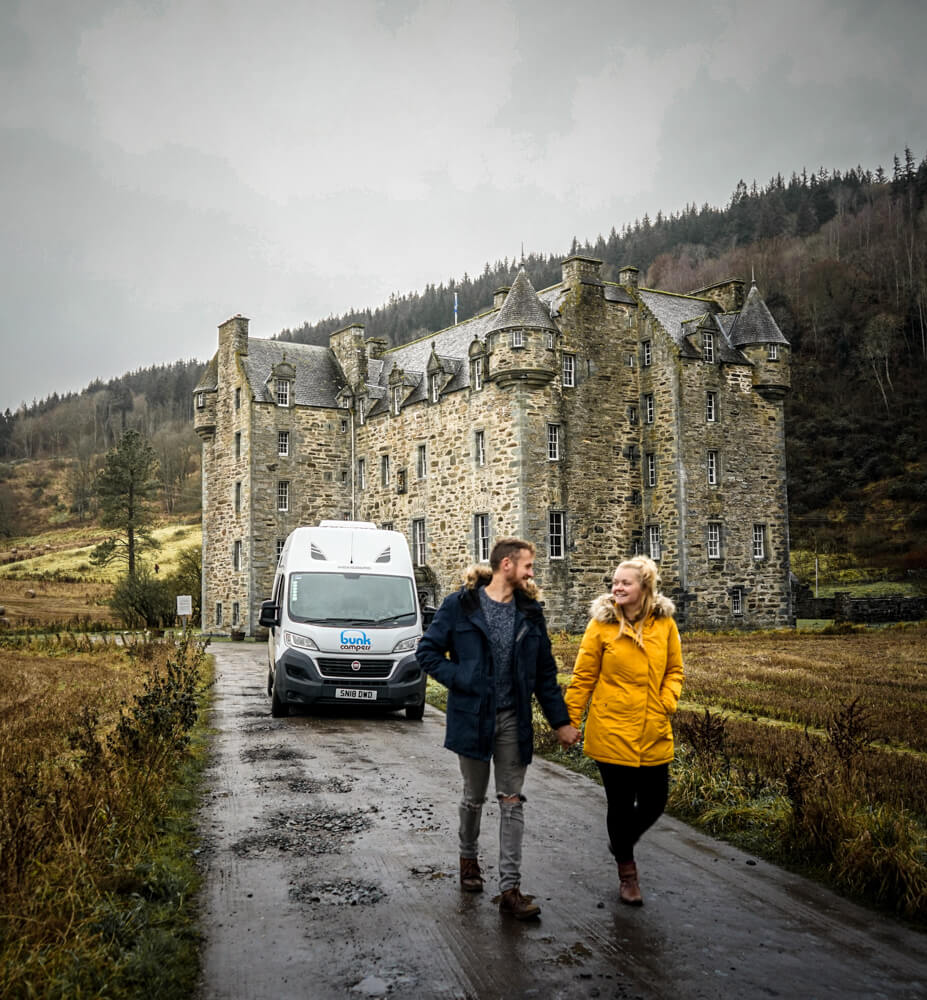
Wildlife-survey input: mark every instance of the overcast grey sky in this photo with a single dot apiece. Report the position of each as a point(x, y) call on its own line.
point(169, 163)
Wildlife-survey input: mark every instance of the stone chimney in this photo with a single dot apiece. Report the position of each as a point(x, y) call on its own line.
point(628, 275)
point(233, 335)
point(351, 352)
point(729, 294)
point(578, 270)
point(376, 346)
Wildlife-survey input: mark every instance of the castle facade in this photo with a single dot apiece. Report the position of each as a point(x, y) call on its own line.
point(597, 419)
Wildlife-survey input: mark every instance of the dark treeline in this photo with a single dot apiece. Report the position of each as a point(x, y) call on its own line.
point(150, 400)
point(839, 257)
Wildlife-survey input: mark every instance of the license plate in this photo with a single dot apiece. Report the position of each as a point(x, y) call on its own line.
point(357, 693)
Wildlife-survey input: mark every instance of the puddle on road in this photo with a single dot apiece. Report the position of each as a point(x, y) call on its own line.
point(342, 893)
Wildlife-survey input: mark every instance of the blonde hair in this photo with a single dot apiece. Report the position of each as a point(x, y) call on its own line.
point(649, 575)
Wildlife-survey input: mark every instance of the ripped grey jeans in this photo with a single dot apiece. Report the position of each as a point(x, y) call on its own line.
point(510, 777)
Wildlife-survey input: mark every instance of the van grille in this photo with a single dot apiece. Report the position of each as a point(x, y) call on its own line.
point(342, 668)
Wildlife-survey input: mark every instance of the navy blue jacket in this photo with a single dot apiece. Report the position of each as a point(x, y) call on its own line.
point(459, 630)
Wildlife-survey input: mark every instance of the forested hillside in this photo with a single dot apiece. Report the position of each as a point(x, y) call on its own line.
point(840, 258)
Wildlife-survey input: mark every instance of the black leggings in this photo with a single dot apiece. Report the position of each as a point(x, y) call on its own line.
point(636, 799)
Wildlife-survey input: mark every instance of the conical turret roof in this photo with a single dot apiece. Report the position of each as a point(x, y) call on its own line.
point(755, 323)
point(522, 308)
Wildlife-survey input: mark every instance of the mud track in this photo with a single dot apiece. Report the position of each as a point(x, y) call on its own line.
point(331, 871)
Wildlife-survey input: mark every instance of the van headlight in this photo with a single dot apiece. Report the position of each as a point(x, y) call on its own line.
point(404, 645)
point(299, 641)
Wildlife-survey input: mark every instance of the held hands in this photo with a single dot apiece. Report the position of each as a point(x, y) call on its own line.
point(568, 735)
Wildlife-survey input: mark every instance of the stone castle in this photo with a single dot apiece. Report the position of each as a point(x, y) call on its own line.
point(598, 419)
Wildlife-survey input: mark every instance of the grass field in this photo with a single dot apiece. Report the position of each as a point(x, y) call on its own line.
point(100, 752)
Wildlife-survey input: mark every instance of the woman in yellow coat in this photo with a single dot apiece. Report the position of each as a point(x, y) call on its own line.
point(629, 673)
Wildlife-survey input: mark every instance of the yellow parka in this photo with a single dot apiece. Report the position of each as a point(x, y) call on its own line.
point(631, 684)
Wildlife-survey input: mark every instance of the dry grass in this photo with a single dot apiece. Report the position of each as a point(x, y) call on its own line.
point(41, 603)
point(96, 870)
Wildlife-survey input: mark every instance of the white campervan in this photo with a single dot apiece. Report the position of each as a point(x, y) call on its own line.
point(344, 620)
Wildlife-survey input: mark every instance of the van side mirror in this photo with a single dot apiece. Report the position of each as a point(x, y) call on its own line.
point(270, 614)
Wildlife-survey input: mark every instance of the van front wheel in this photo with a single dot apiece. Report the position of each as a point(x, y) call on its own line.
point(415, 712)
point(279, 709)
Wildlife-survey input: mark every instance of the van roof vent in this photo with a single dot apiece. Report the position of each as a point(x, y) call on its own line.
point(316, 553)
point(384, 556)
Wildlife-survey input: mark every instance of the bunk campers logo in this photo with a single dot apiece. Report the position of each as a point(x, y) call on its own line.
point(355, 641)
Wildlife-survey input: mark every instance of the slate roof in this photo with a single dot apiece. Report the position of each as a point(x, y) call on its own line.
point(755, 323)
point(681, 316)
point(522, 308)
point(209, 380)
point(318, 375)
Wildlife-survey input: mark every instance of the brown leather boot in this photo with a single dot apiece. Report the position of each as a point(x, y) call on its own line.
point(629, 891)
point(471, 878)
point(520, 907)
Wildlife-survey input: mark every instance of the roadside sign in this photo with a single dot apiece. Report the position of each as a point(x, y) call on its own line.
point(184, 605)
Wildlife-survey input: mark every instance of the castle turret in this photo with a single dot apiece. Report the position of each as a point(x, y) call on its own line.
point(204, 401)
point(523, 338)
point(757, 335)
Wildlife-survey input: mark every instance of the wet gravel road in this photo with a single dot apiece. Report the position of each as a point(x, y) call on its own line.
point(331, 871)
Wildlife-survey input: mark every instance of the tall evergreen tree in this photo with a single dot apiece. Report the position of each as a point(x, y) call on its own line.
point(126, 489)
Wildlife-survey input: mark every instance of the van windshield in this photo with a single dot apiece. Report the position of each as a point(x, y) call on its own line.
point(352, 599)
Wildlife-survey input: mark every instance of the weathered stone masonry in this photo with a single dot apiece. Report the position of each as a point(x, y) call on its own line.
point(598, 419)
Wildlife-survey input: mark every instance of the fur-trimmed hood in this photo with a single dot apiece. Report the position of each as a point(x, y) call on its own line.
point(603, 609)
point(479, 575)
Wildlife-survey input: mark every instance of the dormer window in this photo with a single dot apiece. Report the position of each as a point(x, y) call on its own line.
point(708, 347)
point(476, 374)
point(397, 399)
point(283, 392)
point(435, 388)
point(518, 338)
point(772, 352)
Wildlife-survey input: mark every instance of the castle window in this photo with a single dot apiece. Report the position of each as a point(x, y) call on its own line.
point(569, 370)
point(362, 473)
point(401, 481)
point(714, 540)
point(421, 462)
point(759, 541)
point(712, 468)
point(553, 442)
point(481, 537)
point(238, 498)
point(283, 496)
point(283, 443)
point(384, 470)
point(556, 534)
point(344, 427)
point(646, 354)
point(476, 374)
point(737, 601)
point(651, 469)
point(236, 613)
point(397, 399)
point(711, 407)
point(279, 547)
point(418, 541)
point(218, 612)
point(238, 444)
point(772, 352)
point(201, 400)
point(632, 414)
point(344, 478)
point(708, 347)
point(435, 388)
point(361, 410)
point(236, 555)
point(479, 447)
point(649, 409)
point(283, 392)
point(518, 338)
point(386, 526)
point(653, 541)
point(238, 397)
